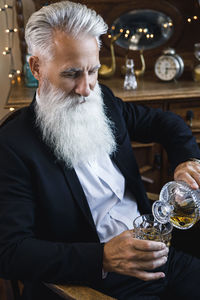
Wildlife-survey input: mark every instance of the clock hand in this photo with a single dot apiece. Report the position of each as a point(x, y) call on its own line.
point(171, 68)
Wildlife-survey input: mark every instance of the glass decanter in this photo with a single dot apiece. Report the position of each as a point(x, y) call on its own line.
point(178, 204)
point(130, 82)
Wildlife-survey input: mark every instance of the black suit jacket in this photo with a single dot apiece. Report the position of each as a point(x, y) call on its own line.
point(46, 228)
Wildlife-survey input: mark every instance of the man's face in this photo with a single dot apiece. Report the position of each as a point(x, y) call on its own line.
point(74, 67)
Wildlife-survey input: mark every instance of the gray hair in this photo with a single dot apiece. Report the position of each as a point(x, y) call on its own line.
point(73, 18)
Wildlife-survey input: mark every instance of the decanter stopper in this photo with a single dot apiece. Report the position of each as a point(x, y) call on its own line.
point(130, 82)
point(178, 204)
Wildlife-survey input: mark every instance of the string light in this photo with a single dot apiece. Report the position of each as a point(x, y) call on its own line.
point(189, 19)
point(7, 6)
point(8, 11)
point(8, 30)
point(5, 52)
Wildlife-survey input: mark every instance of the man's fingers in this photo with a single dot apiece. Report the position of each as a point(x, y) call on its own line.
point(145, 245)
point(192, 178)
point(146, 276)
point(189, 172)
point(148, 256)
point(152, 264)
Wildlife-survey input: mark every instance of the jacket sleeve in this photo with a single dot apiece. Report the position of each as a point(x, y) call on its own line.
point(23, 255)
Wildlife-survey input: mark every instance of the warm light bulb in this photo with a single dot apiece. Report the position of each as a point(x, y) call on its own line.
point(189, 20)
point(11, 108)
point(2, 9)
point(195, 17)
point(5, 52)
point(113, 27)
point(109, 36)
point(15, 29)
point(18, 79)
point(126, 35)
point(10, 75)
point(170, 24)
point(7, 6)
point(121, 30)
point(18, 71)
point(7, 30)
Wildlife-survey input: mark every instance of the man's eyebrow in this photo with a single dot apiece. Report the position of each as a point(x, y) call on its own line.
point(96, 67)
point(73, 70)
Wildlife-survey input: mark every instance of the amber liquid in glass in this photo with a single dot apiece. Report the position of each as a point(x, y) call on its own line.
point(184, 216)
point(153, 234)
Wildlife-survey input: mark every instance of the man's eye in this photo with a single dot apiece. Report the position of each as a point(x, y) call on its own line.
point(69, 75)
point(92, 72)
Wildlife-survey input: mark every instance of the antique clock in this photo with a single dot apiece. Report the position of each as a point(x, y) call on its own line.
point(169, 66)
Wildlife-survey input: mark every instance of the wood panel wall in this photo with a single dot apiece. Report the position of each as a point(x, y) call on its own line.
point(183, 39)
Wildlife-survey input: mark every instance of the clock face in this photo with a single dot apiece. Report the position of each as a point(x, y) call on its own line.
point(167, 67)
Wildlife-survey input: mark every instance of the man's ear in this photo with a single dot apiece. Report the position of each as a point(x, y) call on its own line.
point(35, 66)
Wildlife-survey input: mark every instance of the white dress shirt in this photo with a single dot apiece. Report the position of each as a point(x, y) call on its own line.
point(113, 209)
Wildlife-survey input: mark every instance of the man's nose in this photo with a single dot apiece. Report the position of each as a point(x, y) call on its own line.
point(83, 86)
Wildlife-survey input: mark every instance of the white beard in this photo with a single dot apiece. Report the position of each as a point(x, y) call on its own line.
point(76, 128)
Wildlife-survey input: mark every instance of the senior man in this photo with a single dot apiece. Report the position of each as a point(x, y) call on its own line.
point(70, 185)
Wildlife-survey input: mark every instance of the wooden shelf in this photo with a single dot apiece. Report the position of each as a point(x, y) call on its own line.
point(149, 89)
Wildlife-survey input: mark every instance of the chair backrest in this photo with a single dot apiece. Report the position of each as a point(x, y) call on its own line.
point(9, 116)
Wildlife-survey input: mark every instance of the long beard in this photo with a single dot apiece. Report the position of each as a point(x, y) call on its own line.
point(76, 128)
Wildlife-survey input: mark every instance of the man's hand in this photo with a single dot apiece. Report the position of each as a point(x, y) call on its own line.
point(189, 172)
point(129, 256)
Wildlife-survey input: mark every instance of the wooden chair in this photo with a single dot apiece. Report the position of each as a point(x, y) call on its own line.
point(76, 292)
point(6, 290)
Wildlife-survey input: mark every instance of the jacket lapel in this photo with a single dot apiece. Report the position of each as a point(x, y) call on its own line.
point(127, 164)
point(77, 192)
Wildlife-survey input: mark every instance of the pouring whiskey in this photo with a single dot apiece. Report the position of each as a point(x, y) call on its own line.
point(178, 204)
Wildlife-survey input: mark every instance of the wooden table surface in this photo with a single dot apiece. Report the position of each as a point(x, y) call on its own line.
point(149, 88)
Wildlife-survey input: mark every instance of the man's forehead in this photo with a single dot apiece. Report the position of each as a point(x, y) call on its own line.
point(60, 37)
